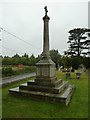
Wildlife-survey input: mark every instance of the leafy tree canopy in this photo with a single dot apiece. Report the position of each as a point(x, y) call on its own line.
point(78, 41)
point(56, 57)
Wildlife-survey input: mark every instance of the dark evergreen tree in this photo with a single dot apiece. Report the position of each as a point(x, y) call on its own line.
point(78, 41)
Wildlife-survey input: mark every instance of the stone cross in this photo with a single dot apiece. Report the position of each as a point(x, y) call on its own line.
point(45, 10)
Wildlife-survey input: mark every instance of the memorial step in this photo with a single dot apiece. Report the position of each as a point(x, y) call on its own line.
point(56, 90)
point(61, 88)
point(48, 84)
point(64, 97)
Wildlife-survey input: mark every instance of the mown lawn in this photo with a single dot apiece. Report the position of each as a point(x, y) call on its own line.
point(20, 107)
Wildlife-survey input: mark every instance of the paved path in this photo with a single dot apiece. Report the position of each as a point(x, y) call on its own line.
point(16, 78)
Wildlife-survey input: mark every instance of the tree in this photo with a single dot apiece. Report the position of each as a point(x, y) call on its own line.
point(6, 60)
point(66, 61)
point(16, 56)
point(56, 57)
point(86, 62)
point(24, 59)
point(78, 41)
point(32, 60)
point(75, 62)
point(25, 55)
point(15, 59)
point(87, 43)
point(38, 58)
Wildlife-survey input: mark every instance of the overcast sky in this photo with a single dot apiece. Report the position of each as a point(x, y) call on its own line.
point(24, 20)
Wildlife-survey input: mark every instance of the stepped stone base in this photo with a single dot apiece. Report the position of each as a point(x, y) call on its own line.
point(59, 91)
point(46, 86)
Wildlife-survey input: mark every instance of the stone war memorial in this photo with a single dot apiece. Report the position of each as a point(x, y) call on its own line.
point(46, 86)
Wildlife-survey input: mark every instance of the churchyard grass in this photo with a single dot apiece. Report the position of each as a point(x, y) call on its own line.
point(21, 107)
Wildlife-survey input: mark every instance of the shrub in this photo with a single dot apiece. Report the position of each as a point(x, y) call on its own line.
point(30, 69)
point(7, 71)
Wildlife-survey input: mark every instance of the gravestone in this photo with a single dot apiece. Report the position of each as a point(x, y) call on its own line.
point(68, 75)
point(78, 74)
point(46, 86)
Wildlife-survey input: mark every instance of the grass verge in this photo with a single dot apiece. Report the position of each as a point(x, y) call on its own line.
point(20, 107)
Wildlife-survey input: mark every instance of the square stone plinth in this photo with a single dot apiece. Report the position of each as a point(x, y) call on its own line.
point(46, 71)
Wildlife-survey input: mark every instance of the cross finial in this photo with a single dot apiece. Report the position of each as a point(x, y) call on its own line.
point(45, 10)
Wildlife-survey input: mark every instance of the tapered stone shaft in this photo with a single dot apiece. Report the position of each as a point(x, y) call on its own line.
point(46, 35)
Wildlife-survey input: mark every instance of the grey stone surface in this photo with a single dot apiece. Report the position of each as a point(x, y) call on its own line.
point(57, 89)
point(68, 75)
point(78, 74)
point(46, 35)
point(44, 83)
point(63, 97)
point(46, 67)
